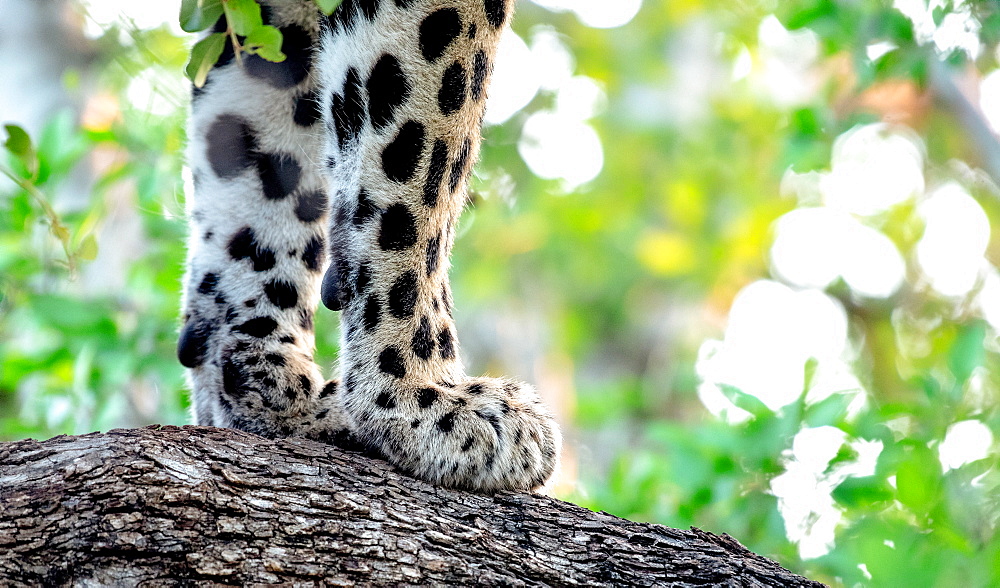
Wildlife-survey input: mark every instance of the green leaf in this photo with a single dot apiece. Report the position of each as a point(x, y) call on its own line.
point(265, 41)
point(747, 402)
point(61, 145)
point(828, 411)
point(990, 29)
point(198, 15)
point(938, 14)
point(74, 315)
point(894, 62)
point(88, 248)
point(19, 144)
point(863, 492)
point(803, 14)
point(203, 56)
point(243, 16)
point(328, 6)
point(897, 27)
point(805, 121)
point(902, 63)
point(918, 479)
point(809, 371)
point(968, 352)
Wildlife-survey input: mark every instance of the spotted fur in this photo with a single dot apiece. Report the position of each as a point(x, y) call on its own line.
point(339, 174)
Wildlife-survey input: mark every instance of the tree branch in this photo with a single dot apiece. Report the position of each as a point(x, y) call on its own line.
point(220, 507)
point(969, 115)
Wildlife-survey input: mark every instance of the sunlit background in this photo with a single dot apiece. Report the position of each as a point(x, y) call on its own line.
point(745, 249)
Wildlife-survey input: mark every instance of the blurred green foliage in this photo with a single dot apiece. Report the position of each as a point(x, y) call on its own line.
point(630, 274)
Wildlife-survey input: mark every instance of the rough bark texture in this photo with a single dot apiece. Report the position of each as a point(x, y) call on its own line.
point(202, 506)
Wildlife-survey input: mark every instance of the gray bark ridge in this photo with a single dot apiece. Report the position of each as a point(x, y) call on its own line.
point(179, 506)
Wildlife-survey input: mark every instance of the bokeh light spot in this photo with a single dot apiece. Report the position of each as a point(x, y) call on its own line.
point(956, 233)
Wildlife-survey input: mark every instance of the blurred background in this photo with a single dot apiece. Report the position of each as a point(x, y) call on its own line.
point(743, 247)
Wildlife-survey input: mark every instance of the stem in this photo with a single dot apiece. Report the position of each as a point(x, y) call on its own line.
point(50, 213)
point(237, 47)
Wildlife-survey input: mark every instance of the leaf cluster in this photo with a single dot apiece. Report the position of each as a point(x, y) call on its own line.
point(245, 31)
point(32, 173)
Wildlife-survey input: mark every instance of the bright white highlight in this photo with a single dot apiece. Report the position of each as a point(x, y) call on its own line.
point(187, 181)
point(599, 14)
point(156, 91)
point(958, 30)
point(989, 98)
point(989, 298)
point(515, 79)
point(579, 98)
point(102, 14)
point(743, 64)
point(59, 409)
point(804, 491)
point(787, 58)
point(965, 442)
point(956, 233)
point(815, 246)
point(558, 144)
point(873, 266)
point(773, 330)
point(877, 50)
point(874, 167)
point(806, 250)
point(551, 58)
point(559, 147)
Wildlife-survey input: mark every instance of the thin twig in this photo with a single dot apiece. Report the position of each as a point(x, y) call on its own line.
point(50, 213)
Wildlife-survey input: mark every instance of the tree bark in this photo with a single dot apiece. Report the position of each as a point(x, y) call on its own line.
point(203, 506)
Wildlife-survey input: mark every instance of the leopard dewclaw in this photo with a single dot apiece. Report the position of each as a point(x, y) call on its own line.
point(340, 174)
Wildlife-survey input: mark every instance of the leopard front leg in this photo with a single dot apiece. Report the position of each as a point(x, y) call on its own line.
point(404, 87)
point(257, 244)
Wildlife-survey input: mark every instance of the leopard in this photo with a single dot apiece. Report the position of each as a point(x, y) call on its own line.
point(338, 176)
